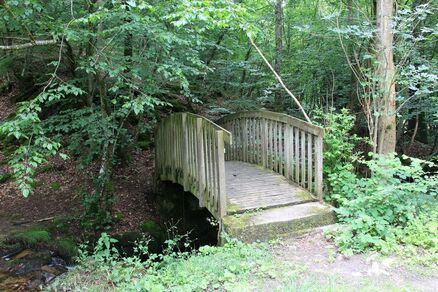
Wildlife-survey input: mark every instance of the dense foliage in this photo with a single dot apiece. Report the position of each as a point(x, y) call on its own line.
point(339, 152)
point(375, 207)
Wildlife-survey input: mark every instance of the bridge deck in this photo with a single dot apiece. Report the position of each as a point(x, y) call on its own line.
point(250, 187)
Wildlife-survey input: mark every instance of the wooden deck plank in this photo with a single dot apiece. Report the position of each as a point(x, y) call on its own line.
point(251, 187)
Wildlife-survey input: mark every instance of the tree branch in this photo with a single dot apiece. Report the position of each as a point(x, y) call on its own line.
point(28, 45)
point(279, 79)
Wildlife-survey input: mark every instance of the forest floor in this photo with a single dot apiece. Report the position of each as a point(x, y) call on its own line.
point(58, 194)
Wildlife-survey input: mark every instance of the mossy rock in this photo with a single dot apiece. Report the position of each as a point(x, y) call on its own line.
point(155, 229)
point(66, 248)
point(32, 237)
point(56, 186)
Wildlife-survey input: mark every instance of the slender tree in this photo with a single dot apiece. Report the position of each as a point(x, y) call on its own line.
point(279, 102)
point(386, 73)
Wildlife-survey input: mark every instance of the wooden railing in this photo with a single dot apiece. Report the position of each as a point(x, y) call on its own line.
point(287, 145)
point(190, 151)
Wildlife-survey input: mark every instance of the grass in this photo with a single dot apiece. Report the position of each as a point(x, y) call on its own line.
point(330, 283)
point(234, 267)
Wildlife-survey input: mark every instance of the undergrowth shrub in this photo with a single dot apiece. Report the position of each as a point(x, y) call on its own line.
point(422, 231)
point(234, 266)
point(382, 209)
point(339, 147)
point(394, 208)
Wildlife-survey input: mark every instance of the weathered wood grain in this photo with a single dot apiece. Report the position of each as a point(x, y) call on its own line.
point(270, 189)
point(190, 151)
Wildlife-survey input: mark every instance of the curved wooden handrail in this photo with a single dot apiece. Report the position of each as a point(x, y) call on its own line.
point(284, 144)
point(190, 151)
point(279, 117)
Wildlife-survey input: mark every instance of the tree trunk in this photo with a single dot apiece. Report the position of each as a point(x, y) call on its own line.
point(214, 50)
point(386, 106)
point(243, 78)
point(89, 52)
point(279, 102)
point(353, 104)
point(100, 75)
point(127, 49)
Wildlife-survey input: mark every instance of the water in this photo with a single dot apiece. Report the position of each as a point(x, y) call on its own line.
point(29, 269)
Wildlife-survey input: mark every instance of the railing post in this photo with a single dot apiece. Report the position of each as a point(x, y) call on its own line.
point(264, 143)
point(221, 173)
point(185, 152)
point(287, 155)
point(309, 162)
point(303, 159)
point(245, 139)
point(318, 166)
point(201, 163)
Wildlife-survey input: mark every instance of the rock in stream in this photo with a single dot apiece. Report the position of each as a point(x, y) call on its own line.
point(29, 270)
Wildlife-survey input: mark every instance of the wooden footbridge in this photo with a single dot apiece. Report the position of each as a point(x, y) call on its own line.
point(258, 173)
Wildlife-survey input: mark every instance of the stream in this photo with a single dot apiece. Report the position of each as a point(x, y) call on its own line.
point(29, 269)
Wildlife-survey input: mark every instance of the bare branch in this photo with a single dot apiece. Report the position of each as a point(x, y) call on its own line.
point(29, 45)
point(279, 79)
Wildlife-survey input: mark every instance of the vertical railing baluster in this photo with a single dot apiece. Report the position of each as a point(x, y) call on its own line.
point(318, 166)
point(303, 159)
point(221, 173)
point(297, 155)
point(201, 162)
point(309, 162)
point(264, 142)
point(280, 148)
point(214, 168)
point(287, 146)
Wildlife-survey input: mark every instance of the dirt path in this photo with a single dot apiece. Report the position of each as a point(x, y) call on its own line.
point(326, 268)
